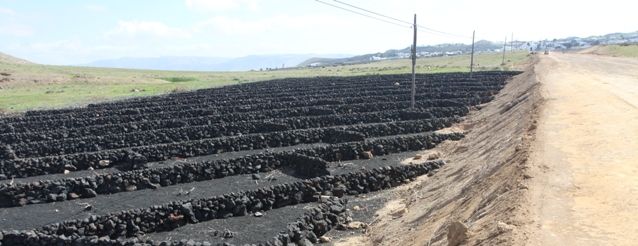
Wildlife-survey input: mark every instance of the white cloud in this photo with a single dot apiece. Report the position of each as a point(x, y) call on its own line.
point(67, 52)
point(148, 28)
point(242, 27)
point(279, 23)
point(16, 30)
point(95, 8)
point(310, 33)
point(221, 5)
point(6, 11)
point(235, 26)
point(11, 24)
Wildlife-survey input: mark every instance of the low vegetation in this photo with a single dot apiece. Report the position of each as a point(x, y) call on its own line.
point(619, 50)
point(179, 79)
point(33, 86)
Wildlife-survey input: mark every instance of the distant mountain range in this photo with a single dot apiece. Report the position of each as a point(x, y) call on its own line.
point(422, 51)
point(257, 62)
point(195, 63)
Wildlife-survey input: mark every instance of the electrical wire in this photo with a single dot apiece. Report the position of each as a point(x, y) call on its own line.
point(371, 12)
point(419, 27)
point(362, 14)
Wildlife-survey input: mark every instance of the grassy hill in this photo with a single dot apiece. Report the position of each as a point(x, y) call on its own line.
point(622, 50)
point(4, 58)
point(26, 86)
point(480, 46)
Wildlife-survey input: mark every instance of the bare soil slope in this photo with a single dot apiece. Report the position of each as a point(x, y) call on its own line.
point(4, 58)
point(585, 190)
point(480, 187)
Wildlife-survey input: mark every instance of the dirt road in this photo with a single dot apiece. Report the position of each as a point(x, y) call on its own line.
point(584, 185)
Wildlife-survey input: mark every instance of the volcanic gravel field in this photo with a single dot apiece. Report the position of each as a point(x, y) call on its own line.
point(269, 163)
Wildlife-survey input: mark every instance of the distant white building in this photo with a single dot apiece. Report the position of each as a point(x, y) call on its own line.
point(403, 55)
point(429, 54)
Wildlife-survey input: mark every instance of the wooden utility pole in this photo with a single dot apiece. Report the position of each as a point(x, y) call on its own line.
point(472, 56)
point(512, 43)
point(504, 46)
point(413, 64)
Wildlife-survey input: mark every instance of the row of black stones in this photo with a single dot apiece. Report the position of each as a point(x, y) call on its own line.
point(307, 229)
point(296, 122)
point(104, 229)
point(83, 161)
point(305, 162)
point(172, 135)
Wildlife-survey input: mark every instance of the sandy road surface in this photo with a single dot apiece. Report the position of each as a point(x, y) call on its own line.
point(584, 185)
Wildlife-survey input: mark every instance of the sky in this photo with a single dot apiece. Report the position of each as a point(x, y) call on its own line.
point(68, 32)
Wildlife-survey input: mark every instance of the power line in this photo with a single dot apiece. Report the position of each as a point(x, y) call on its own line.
point(427, 29)
point(362, 14)
point(443, 33)
point(371, 12)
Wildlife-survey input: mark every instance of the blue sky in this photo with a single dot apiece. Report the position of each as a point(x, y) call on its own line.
point(76, 32)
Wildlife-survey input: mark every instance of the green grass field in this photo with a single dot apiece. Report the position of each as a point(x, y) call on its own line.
point(33, 86)
point(630, 50)
point(623, 50)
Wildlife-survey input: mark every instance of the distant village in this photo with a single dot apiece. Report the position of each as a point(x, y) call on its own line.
point(531, 46)
point(401, 55)
point(481, 46)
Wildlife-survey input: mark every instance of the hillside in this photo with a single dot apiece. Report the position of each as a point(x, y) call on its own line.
point(32, 86)
point(422, 51)
point(195, 63)
point(623, 50)
point(615, 43)
point(4, 58)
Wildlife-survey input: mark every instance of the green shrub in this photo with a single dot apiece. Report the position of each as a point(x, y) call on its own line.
point(178, 79)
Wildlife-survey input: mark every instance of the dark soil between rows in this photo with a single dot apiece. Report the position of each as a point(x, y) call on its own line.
point(146, 198)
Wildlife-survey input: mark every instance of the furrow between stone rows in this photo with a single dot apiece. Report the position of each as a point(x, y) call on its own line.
point(166, 217)
point(303, 162)
point(136, 157)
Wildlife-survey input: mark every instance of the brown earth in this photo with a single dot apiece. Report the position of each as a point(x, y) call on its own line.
point(480, 187)
point(585, 159)
point(551, 161)
point(4, 58)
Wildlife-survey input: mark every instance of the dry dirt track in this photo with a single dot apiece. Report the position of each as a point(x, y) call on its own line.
point(584, 189)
